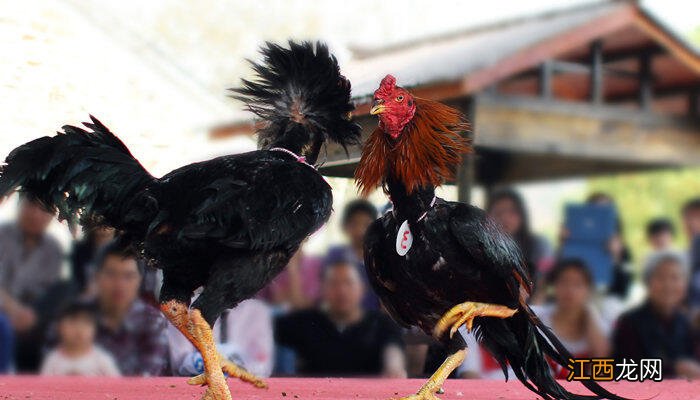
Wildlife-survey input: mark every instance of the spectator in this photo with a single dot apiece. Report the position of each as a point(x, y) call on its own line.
point(6, 345)
point(30, 259)
point(691, 217)
point(691, 222)
point(84, 251)
point(30, 263)
point(76, 353)
point(357, 217)
point(131, 330)
point(658, 328)
point(298, 286)
point(571, 316)
point(621, 255)
point(508, 209)
point(660, 234)
point(243, 334)
point(342, 338)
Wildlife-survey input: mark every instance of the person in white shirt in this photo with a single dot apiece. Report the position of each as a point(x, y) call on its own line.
point(243, 334)
point(76, 353)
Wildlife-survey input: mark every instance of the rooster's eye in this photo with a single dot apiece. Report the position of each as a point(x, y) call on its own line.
point(399, 98)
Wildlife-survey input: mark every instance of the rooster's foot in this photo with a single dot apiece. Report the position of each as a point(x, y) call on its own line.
point(232, 370)
point(217, 389)
point(434, 384)
point(465, 313)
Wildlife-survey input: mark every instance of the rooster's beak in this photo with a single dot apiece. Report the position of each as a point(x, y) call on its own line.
point(378, 109)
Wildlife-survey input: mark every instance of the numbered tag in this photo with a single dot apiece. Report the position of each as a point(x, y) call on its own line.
point(404, 239)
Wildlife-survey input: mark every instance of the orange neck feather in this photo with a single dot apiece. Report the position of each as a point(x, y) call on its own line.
point(425, 154)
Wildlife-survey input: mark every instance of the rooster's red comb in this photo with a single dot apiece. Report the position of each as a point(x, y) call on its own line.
point(388, 83)
point(386, 87)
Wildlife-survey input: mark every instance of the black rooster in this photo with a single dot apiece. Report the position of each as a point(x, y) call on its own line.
point(229, 224)
point(439, 264)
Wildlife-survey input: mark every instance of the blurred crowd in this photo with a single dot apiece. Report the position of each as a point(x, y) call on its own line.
point(320, 318)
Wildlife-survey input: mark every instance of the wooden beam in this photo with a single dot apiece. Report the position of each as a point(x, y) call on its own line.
point(612, 56)
point(586, 130)
point(646, 82)
point(518, 167)
point(673, 44)
point(572, 67)
point(576, 68)
point(596, 90)
point(679, 88)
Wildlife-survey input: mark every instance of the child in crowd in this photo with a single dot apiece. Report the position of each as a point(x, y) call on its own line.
point(76, 353)
point(661, 234)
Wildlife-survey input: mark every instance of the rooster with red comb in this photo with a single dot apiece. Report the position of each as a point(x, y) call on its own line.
point(439, 265)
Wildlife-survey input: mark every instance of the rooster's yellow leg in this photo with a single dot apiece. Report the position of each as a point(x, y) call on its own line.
point(433, 385)
point(217, 389)
point(465, 313)
point(198, 331)
point(178, 314)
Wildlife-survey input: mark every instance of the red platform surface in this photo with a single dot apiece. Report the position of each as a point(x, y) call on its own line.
point(74, 388)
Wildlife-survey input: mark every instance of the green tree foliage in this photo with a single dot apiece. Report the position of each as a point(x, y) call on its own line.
point(694, 36)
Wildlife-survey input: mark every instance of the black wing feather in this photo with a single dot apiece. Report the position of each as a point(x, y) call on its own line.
point(480, 237)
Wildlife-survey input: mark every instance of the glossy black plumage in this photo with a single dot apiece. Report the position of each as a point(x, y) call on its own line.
point(229, 224)
point(458, 255)
point(303, 100)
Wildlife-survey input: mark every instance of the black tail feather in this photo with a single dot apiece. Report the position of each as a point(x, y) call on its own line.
point(301, 96)
point(522, 342)
point(557, 352)
point(85, 175)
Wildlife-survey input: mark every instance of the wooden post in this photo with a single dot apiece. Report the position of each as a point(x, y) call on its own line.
point(492, 89)
point(646, 87)
point(694, 102)
point(597, 72)
point(545, 80)
point(466, 171)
